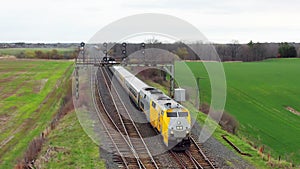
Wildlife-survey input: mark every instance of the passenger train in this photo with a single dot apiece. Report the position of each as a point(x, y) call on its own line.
point(172, 120)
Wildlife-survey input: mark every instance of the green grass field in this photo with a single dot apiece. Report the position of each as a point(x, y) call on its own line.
point(78, 152)
point(30, 94)
point(257, 94)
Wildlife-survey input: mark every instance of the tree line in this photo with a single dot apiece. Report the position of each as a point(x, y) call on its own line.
point(256, 51)
point(233, 51)
point(48, 54)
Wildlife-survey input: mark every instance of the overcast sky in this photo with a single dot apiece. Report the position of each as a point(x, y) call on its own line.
point(220, 21)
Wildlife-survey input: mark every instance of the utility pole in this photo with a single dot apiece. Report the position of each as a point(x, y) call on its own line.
point(170, 70)
point(124, 50)
point(172, 83)
point(76, 82)
point(143, 46)
point(198, 88)
point(105, 52)
point(82, 44)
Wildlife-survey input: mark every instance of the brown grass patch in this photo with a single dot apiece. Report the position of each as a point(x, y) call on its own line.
point(9, 79)
point(8, 57)
point(4, 142)
point(5, 95)
point(3, 119)
point(39, 85)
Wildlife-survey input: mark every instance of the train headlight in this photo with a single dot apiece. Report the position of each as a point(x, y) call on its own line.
point(179, 127)
point(187, 132)
point(172, 132)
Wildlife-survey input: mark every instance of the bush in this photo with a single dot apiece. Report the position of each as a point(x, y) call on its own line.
point(47, 54)
point(227, 122)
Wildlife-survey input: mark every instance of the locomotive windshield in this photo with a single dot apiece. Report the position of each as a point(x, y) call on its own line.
point(177, 114)
point(172, 114)
point(183, 114)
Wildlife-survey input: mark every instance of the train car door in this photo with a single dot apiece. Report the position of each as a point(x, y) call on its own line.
point(145, 104)
point(161, 120)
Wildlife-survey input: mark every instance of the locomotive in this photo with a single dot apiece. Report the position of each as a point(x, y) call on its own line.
point(168, 117)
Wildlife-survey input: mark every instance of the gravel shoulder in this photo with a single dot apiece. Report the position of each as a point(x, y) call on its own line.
point(222, 156)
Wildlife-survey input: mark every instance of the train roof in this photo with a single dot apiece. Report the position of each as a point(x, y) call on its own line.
point(163, 100)
point(122, 71)
point(134, 82)
point(166, 102)
point(157, 95)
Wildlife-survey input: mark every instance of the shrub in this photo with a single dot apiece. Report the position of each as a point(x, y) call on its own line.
point(227, 121)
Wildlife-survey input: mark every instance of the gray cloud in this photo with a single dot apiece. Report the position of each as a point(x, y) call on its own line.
point(76, 20)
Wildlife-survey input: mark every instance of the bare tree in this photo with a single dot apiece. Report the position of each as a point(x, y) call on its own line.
point(271, 50)
point(245, 53)
point(152, 41)
point(234, 47)
point(222, 51)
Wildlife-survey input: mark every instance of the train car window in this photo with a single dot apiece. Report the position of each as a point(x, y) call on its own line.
point(132, 92)
point(168, 105)
point(172, 114)
point(156, 92)
point(183, 114)
point(153, 104)
point(142, 105)
point(149, 89)
point(163, 98)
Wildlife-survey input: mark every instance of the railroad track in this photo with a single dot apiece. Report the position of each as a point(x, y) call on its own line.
point(194, 157)
point(119, 143)
point(199, 155)
point(130, 146)
point(122, 124)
